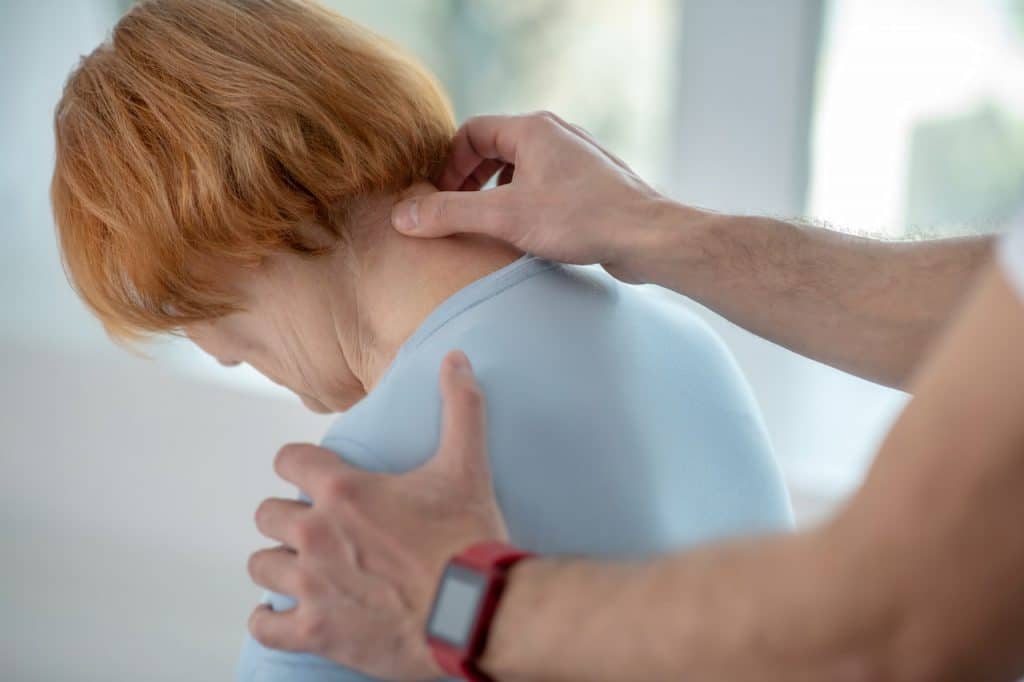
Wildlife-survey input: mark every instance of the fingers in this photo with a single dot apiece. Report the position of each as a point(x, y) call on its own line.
point(274, 569)
point(275, 629)
point(276, 518)
point(485, 143)
point(463, 430)
point(479, 139)
point(479, 177)
point(483, 146)
point(310, 467)
point(445, 213)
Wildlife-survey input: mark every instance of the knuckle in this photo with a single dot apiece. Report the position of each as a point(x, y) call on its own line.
point(471, 397)
point(309, 534)
point(436, 210)
point(542, 121)
point(537, 124)
point(339, 487)
point(306, 585)
point(312, 628)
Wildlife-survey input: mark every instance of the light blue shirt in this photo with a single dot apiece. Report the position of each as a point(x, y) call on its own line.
point(618, 424)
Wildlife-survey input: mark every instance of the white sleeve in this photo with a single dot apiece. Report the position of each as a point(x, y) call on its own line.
point(1011, 255)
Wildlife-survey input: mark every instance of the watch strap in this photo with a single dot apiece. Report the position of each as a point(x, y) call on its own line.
point(485, 556)
point(493, 559)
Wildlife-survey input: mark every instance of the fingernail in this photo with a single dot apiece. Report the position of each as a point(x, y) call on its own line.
point(406, 215)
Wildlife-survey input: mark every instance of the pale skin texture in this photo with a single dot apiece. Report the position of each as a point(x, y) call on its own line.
point(918, 578)
point(327, 327)
point(868, 307)
point(388, 589)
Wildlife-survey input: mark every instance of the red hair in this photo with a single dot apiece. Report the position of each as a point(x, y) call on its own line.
point(207, 132)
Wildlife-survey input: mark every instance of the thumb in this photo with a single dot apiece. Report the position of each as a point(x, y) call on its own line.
point(444, 213)
point(463, 449)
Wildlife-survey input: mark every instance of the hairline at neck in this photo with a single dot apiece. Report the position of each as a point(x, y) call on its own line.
point(392, 282)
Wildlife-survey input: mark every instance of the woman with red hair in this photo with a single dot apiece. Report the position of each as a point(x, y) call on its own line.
point(226, 170)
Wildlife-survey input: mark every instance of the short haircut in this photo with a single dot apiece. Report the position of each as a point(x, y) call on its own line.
point(210, 131)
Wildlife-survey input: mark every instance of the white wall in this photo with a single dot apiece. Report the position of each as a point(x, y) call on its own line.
point(127, 487)
point(128, 494)
point(39, 43)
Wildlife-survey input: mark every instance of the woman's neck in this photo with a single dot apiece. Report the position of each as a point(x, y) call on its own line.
point(394, 282)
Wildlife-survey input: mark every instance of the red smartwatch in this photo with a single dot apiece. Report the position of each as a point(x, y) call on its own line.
point(465, 603)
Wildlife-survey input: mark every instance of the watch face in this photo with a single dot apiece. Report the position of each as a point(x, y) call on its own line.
point(456, 605)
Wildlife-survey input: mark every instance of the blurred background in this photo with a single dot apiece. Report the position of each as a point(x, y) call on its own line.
point(129, 483)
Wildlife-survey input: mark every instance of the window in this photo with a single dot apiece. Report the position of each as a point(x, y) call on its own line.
point(918, 131)
point(606, 66)
point(919, 128)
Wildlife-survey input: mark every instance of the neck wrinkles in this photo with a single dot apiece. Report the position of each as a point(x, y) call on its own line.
point(387, 284)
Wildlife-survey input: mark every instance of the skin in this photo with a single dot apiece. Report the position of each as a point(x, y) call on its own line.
point(918, 578)
point(867, 307)
point(328, 327)
point(453, 499)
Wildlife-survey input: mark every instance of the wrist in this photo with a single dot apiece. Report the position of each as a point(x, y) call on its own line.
point(467, 596)
point(535, 626)
point(502, 658)
point(670, 241)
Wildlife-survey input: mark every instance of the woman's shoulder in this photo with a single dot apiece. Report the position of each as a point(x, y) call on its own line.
point(559, 338)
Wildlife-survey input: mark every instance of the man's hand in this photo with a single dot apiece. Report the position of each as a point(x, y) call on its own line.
point(364, 560)
point(560, 196)
point(866, 307)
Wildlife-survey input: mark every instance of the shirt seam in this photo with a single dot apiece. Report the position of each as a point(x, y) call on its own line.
point(503, 283)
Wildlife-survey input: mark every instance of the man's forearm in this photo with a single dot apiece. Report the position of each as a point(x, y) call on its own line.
point(917, 579)
point(785, 608)
point(865, 306)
